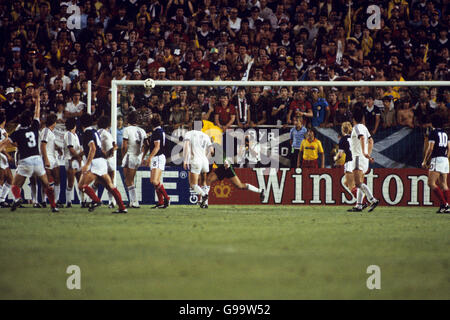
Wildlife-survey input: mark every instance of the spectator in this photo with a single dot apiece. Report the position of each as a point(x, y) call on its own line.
point(75, 108)
point(258, 108)
point(405, 114)
point(343, 114)
point(320, 108)
point(242, 108)
point(280, 107)
point(300, 107)
point(11, 107)
point(422, 113)
point(310, 150)
point(372, 114)
point(225, 113)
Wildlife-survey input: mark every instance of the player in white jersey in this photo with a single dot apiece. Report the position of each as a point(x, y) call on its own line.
point(72, 159)
point(361, 145)
point(49, 154)
point(197, 149)
point(132, 149)
point(5, 171)
point(108, 148)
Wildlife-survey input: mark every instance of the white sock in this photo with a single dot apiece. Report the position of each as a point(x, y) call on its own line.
point(82, 196)
point(132, 194)
point(367, 192)
point(1, 191)
point(359, 198)
point(57, 190)
point(253, 188)
point(110, 198)
point(206, 191)
point(199, 190)
point(5, 191)
point(69, 194)
point(43, 195)
point(34, 194)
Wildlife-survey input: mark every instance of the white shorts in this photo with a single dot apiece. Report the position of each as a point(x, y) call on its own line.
point(348, 166)
point(360, 163)
point(4, 164)
point(158, 162)
point(29, 166)
point(53, 163)
point(99, 167)
point(111, 166)
point(439, 164)
point(199, 165)
point(73, 164)
point(132, 162)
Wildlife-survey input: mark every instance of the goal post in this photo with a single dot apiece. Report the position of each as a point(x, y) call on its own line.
point(184, 83)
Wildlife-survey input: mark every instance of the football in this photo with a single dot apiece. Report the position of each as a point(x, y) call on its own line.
point(149, 83)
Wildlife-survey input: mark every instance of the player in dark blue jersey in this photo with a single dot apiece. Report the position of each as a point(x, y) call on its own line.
point(26, 140)
point(436, 161)
point(157, 160)
point(96, 166)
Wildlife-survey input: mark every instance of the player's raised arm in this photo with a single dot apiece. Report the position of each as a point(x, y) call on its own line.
point(37, 102)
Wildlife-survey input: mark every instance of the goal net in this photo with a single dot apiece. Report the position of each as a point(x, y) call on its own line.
point(266, 111)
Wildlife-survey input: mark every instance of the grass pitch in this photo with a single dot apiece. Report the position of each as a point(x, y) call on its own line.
point(225, 252)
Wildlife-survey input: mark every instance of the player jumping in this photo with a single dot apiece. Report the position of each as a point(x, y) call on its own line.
point(26, 140)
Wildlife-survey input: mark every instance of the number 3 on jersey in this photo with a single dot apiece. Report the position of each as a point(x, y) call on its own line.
point(31, 139)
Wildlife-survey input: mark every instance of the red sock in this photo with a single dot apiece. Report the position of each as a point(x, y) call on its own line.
point(163, 191)
point(160, 196)
point(440, 195)
point(16, 192)
point(51, 196)
point(116, 194)
point(90, 192)
point(447, 195)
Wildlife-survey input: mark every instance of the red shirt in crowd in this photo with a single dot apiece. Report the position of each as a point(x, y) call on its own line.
point(225, 113)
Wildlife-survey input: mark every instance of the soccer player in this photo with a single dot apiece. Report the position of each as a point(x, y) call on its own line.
point(438, 168)
point(5, 171)
point(361, 147)
point(108, 147)
point(49, 156)
point(344, 151)
point(26, 139)
point(197, 148)
point(72, 159)
point(95, 166)
point(226, 171)
point(132, 149)
point(157, 160)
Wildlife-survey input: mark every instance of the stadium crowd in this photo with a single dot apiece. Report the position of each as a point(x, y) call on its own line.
point(45, 44)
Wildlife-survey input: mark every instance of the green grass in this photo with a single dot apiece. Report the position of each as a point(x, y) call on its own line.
point(225, 252)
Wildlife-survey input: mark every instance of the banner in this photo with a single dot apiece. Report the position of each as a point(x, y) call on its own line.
point(398, 147)
point(394, 187)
